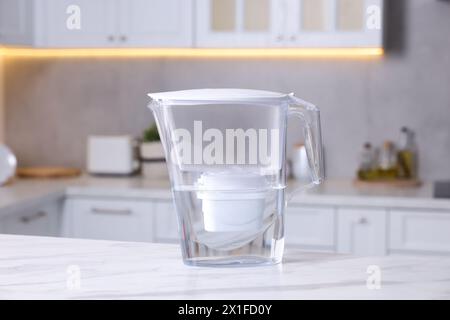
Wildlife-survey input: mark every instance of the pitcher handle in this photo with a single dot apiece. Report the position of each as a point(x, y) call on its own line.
point(310, 116)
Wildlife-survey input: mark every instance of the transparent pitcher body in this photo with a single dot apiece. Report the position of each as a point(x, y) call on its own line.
point(226, 161)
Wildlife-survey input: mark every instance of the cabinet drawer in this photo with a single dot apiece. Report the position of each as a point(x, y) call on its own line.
point(310, 227)
point(36, 221)
point(110, 219)
point(419, 231)
point(166, 224)
point(362, 231)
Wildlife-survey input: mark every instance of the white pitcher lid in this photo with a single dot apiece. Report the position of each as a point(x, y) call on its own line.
point(204, 96)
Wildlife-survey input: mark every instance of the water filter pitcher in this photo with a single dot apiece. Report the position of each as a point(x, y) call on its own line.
point(226, 156)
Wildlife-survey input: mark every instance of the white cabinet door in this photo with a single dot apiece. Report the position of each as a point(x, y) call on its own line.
point(98, 23)
point(38, 221)
point(362, 231)
point(156, 23)
point(289, 23)
point(165, 223)
point(16, 22)
point(310, 227)
point(419, 231)
point(334, 23)
point(234, 23)
point(122, 220)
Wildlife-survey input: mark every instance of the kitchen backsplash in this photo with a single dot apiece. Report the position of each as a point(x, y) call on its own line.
point(2, 108)
point(52, 105)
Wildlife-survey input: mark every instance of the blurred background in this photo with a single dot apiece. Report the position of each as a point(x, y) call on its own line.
point(361, 99)
point(74, 70)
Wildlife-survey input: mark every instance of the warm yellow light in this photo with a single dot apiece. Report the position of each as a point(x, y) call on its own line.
point(192, 53)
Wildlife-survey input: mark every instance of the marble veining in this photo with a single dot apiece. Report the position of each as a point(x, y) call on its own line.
point(43, 268)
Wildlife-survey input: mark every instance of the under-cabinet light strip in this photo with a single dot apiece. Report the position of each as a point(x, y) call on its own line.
point(192, 53)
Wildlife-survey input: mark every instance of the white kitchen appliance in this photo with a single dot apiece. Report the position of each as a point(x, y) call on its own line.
point(112, 155)
point(8, 164)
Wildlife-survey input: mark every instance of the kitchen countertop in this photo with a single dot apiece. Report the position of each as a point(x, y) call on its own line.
point(47, 268)
point(345, 192)
point(28, 192)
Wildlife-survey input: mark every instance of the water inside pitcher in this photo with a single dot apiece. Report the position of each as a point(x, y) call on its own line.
point(225, 151)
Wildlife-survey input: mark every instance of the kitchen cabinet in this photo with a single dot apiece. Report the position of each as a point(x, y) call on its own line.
point(335, 23)
point(155, 23)
point(16, 22)
point(189, 23)
point(310, 227)
point(155, 220)
point(118, 23)
point(415, 231)
point(43, 220)
point(289, 23)
point(362, 231)
point(165, 222)
point(108, 219)
point(361, 224)
point(234, 23)
point(150, 220)
point(97, 23)
point(352, 230)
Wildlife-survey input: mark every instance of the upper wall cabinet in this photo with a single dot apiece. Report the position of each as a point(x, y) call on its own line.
point(79, 23)
point(235, 23)
point(192, 23)
point(289, 23)
point(117, 23)
point(16, 22)
point(333, 23)
point(156, 23)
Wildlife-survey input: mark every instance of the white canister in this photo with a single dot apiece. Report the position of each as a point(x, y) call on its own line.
point(300, 166)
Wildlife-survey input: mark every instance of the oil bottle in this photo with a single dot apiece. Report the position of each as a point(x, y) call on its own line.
point(367, 163)
point(388, 169)
point(407, 155)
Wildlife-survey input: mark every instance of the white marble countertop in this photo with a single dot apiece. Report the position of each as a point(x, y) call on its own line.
point(23, 192)
point(28, 192)
point(48, 268)
point(345, 192)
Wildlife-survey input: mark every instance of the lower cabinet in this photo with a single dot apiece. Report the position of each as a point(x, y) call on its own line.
point(120, 220)
point(358, 231)
point(43, 220)
point(351, 230)
point(362, 231)
point(310, 227)
point(414, 231)
point(165, 222)
point(108, 219)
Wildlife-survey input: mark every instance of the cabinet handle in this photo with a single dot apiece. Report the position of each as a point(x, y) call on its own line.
point(293, 38)
point(111, 38)
point(280, 38)
point(36, 216)
point(121, 212)
point(123, 38)
point(363, 220)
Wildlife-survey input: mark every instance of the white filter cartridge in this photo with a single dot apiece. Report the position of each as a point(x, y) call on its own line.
point(232, 202)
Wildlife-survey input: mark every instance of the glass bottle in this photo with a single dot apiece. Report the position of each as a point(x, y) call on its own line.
point(407, 155)
point(367, 163)
point(388, 161)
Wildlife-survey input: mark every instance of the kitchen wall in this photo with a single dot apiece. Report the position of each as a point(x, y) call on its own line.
point(2, 120)
point(52, 105)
